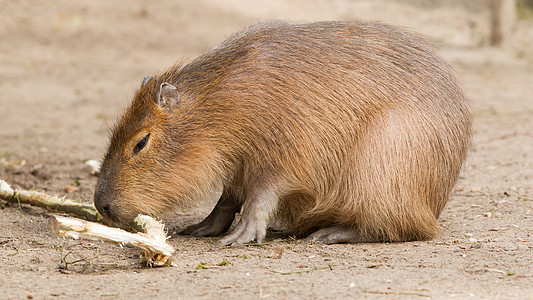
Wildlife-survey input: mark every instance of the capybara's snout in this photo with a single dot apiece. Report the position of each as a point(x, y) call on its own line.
point(101, 200)
point(108, 204)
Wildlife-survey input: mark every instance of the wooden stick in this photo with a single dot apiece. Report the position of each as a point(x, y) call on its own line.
point(156, 250)
point(51, 203)
point(156, 231)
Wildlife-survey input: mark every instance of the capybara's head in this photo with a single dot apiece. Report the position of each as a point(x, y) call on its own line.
point(157, 157)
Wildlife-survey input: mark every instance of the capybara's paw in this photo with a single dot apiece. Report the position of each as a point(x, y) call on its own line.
point(217, 222)
point(206, 228)
point(243, 233)
point(191, 228)
point(200, 230)
point(334, 235)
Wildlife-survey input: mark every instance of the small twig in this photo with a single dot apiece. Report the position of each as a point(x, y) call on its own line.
point(260, 245)
point(396, 293)
point(495, 270)
point(303, 271)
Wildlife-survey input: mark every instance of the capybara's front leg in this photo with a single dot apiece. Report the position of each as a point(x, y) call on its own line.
point(219, 220)
point(256, 212)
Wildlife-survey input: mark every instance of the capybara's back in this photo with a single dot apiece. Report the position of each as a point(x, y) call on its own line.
point(353, 131)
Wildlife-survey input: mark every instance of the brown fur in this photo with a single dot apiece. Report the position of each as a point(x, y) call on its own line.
point(357, 125)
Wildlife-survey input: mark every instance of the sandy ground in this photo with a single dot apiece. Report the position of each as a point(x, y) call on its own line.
point(68, 68)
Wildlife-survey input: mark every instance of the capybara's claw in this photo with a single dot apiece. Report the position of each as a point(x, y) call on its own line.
point(205, 229)
point(218, 221)
point(334, 235)
point(243, 234)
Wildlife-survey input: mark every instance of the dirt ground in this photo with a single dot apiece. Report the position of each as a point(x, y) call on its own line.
point(68, 68)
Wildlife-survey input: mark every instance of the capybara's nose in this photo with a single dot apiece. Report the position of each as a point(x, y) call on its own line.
point(102, 201)
point(105, 210)
point(101, 205)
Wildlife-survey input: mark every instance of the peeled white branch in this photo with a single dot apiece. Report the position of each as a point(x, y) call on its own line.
point(156, 250)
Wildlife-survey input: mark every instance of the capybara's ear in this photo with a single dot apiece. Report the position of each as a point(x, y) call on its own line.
point(146, 79)
point(167, 96)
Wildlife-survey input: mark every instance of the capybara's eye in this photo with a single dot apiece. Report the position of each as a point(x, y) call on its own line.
point(140, 145)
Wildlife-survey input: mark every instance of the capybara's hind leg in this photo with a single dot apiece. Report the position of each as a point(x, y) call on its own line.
point(335, 235)
point(218, 221)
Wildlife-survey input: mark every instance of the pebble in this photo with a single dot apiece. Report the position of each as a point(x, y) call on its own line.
point(475, 189)
point(476, 246)
point(276, 253)
point(523, 247)
point(94, 165)
point(510, 248)
point(71, 189)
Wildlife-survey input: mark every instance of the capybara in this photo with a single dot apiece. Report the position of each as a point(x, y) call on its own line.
point(347, 131)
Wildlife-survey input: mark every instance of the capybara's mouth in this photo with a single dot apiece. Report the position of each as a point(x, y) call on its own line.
point(106, 220)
